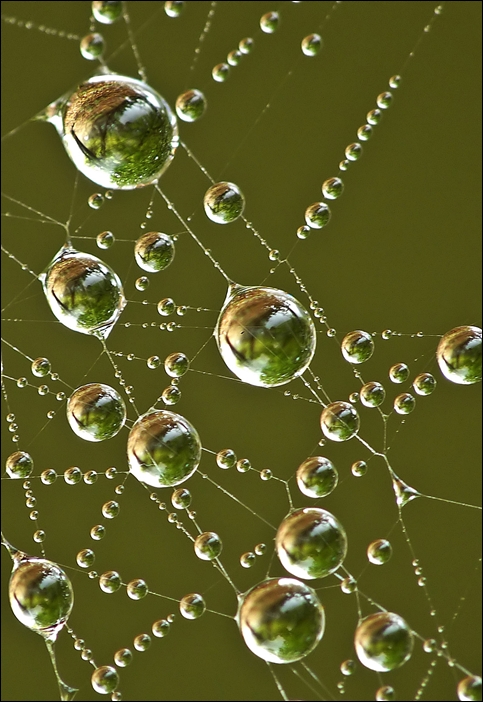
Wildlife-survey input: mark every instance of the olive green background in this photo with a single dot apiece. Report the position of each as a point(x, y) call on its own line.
point(402, 252)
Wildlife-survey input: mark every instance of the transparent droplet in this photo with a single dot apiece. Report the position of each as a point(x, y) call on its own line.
point(160, 628)
point(317, 215)
point(166, 307)
point(247, 559)
point(429, 645)
point(83, 293)
point(174, 8)
point(364, 133)
point(379, 551)
point(40, 367)
point(224, 202)
point(137, 589)
point(92, 46)
point(163, 448)
point(266, 474)
point(469, 688)
point(385, 694)
point(260, 549)
point(191, 105)
point(123, 657)
point(246, 45)
point(303, 232)
point(220, 72)
point(226, 458)
point(395, 81)
point(359, 468)
point(60, 396)
point(208, 546)
point(311, 44)
point(107, 11)
point(243, 465)
point(269, 22)
point(142, 283)
point(110, 509)
point(384, 100)
point(119, 132)
point(399, 373)
point(105, 679)
point(192, 606)
point(317, 477)
point(357, 347)
point(171, 395)
point(386, 334)
point(234, 57)
point(265, 336)
point(154, 251)
point(332, 188)
point(96, 412)
point(347, 667)
point(348, 585)
point(181, 498)
point(19, 465)
point(105, 240)
point(142, 642)
point(339, 421)
point(459, 355)
point(98, 532)
point(22, 382)
point(48, 476)
point(383, 641)
point(176, 365)
point(311, 543)
point(39, 536)
point(372, 394)
point(85, 558)
point(424, 384)
point(43, 390)
point(111, 472)
point(353, 151)
point(73, 476)
point(281, 620)
point(153, 362)
point(404, 403)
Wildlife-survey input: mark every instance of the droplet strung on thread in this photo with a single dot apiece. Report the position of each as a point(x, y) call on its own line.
point(383, 641)
point(96, 412)
point(459, 355)
point(224, 202)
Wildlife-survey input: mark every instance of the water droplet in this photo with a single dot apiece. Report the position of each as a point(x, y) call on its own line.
point(34, 515)
point(404, 403)
point(154, 251)
point(92, 123)
point(105, 679)
point(141, 283)
point(359, 468)
point(404, 493)
point(424, 384)
point(395, 81)
point(459, 355)
point(92, 46)
point(160, 628)
point(265, 336)
point(208, 546)
point(60, 396)
point(176, 365)
point(39, 536)
point(123, 657)
point(191, 104)
point(181, 498)
point(246, 45)
point(220, 72)
point(98, 532)
point(339, 421)
point(19, 465)
point(142, 642)
point(353, 152)
point(164, 449)
point(266, 474)
point(171, 395)
point(311, 44)
point(385, 694)
point(383, 641)
point(137, 589)
point(332, 188)
point(260, 549)
point(83, 293)
point(107, 11)
point(40, 367)
point(224, 202)
point(469, 688)
point(364, 133)
point(192, 606)
point(372, 394)
point(174, 8)
point(48, 476)
point(348, 585)
point(438, 9)
point(303, 232)
point(429, 645)
point(153, 362)
point(110, 509)
point(384, 100)
point(348, 667)
point(85, 558)
point(95, 201)
point(247, 559)
point(243, 465)
point(399, 373)
point(379, 551)
point(226, 458)
point(357, 347)
point(234, 57)
point(96, 412)
point(43, 390)
point(317, 215)
point(317, 477)
point(281, 620)
point(111, 472)
point(22, 382)
point(73, 476)
point(269, 22)
point(311, 543)
point(166, 307)
point(386, 334)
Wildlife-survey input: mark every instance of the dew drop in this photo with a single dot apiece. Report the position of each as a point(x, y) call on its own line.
point(404, 403)
point(105, 679)
point(379, 551)
point(384, 100)
point(181, 498)
point(385, 694)
point(192, 606)
point(469, 688)
point(171, 395)
point(399, 373)
point(208, 546)
point(137, 589)
point(364, 133)
point(220, 72)
point(348, 585)
point(153, 362)
point(85, 558)
point(317, 477)
point(339, 421)
point(73, 476)
point(48, 476)
point(459, 355)
point(359, 468)
point(332, 188)
point(311, 44)
point(123, 657)
point(224, 202)
point(353, 152)
point(166, 307)
point(372, 394)
point(96, 412)
point(92, 46)
point(154, 251)
point(110, 509)
point(226, 458)
point(247, 559)
point(269, 22)
point(303, 232)
point(160, 628)
point(383, 641)
point(98, 532)
point(142, 642)
point(317, 215)
point(19, 465)
point(176, 365)
point(191, 104)
point(348, 667)
point(243, 465)
point(107, 11)
point(357, 347)
point(424, 384)
point(173, 8)
point(246, 45)
point(41, 367)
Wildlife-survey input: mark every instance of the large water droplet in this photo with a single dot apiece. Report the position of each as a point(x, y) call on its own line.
point(107, 11)
point(379, 551)
point(19, 465)
point(339, 421)
point(224, 202)
point(154, 251)
point(265, 336)
point(96, 412)
point(119, 132)
point(105, 679)
point(317, 477)
point(372, 394)
point(208, 546)
point(281, 620)
point(357, 346)
point(192, 606)
point(383, 641)
point(459, 355)
point(469, 689)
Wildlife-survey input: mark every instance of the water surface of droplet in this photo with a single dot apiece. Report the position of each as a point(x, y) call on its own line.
point(96, 412)
point(339, 421)
point(224, 202)
point(383, 641)
point(311, 44)
point(424, 384)
point(105, 679)
point(154, 251)
point(190, 105)
point(107, 11)
point(92, 46)
point(459, 355)
point(192, 606)
point(357, 346)
point(40, 367)
point(317, 477)
point(317, 215)
point(208, 546)
point(19, 465)
point(379, 551)
point(372, 394)
point(469, 689)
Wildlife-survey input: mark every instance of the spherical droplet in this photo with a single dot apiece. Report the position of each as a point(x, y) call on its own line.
point(171, 395)
point(372, 394)
point(105, 240)
point(332, 188)
point(384, 100)
point(469, 688)
point(192, 606)
point(43, 390)
point(281, 620)
point(73, 475)
point(119, 132)
point(348, 585)
point(41, 367)
point(269, 22)
point(142, 642)
point(246, 45)
point(399, 373)
point(347, 667)
point(163, 449)
point(220, 72)
point(154, 251)
point(105, 679)
point(110, 581)
point(311, 44)
point(357, 346)
point(243, 465)
point(303, 232)
point(317, 477)
point(83, 293)
point(98, 532)
point(208, 546)
point(317, 215)
point(181, 498)
point(383, 641)
point(429, 645)
point(224, 202)
point(247, 559)
point(424, 384)
point(141, 283)
point(174, 8)
point(92, 46)
point(339, 421)
point(191, 105)
point(353, 152)
point(385, 694)
point(96, 412)
point(359, 468)
point(107, 11)
point(234, 57)
point(41, 595)
point(176, 365)
point(225, 458)
point(85, 558)
point(311, 543)
point(110, 509)
point(166, 307)
point(160, 628)
point(48, 476)
point(459, 355)
point(137, 589)
point(379, 551)
point(265, 336)
point(364, 133)
point(19, 465)
point(153, 362)
point(123, 657)
point(404, 403)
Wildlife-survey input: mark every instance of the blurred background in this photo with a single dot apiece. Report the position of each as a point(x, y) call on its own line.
point(402, 252)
